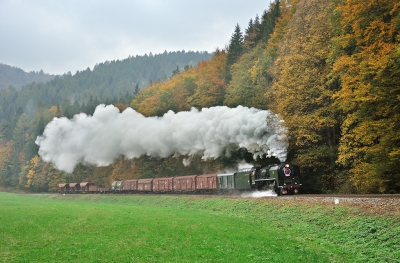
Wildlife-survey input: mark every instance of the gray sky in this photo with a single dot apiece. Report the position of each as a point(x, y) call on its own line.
point(69, 35)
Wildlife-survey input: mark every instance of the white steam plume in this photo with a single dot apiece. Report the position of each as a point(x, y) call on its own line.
point(259, 194)
point(212, 132)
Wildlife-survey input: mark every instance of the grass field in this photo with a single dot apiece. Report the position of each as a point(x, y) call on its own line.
point(102, 228)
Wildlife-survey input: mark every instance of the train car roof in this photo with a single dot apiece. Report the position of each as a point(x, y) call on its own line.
point(225, 174)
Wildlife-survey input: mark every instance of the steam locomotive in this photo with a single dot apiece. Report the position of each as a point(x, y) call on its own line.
point(282, 178)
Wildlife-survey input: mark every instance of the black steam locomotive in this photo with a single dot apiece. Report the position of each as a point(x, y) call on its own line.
point(283, 178)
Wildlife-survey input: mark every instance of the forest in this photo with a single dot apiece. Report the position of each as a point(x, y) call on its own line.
point(107, 82)
point(16, 77)
point(329, 68)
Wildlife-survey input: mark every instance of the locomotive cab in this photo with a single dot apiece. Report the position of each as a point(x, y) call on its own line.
point(261, 180)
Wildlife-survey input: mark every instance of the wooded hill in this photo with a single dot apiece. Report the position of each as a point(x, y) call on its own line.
point(17, 78)
point(330, 68)
point(107, 82)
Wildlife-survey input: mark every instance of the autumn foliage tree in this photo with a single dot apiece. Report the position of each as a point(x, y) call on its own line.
point(261, 72)
point(302, 95)
point(242, 90)
point(210, 83)
point(200, 86)
point(367, 59)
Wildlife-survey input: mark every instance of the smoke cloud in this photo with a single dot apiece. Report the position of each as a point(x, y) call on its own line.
point(212, 132)
point(259, 194)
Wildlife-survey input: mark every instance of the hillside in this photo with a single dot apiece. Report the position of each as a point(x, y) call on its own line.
point(17, 78)
point(108, 81)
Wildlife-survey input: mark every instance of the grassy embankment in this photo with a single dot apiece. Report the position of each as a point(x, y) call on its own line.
point(57, 228)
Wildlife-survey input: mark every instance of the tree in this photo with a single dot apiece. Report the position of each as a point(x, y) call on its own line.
point(251, 34)
point(40, 176)
point(6, 152)
point(366, 57)
point(242, 90)
point(269, 19)
point(136, 90)
point(302, 95)
point(210, 82)
point(175, 71)
point(235, 49)
point(160, 97)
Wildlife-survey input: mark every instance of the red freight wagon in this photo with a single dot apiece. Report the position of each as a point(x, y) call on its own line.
point(93, 188)
point(145, 185)
point(163, 184)
point(185, 183)
point(207, 182)
point(102, 189)
point(130, 185)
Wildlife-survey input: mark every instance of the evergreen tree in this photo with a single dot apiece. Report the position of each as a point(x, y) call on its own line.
point(235, 46)
point(175, 71)
point(20, 132)
point(235, 49)
point(249, 28)
point(136, 90)
point(250, 38)
point(268, 21)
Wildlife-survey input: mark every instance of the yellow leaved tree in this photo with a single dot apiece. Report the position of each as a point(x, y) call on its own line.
point(302, 95)
point(367, 62)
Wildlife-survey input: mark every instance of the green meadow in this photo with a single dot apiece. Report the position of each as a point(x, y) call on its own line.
point(109, 228)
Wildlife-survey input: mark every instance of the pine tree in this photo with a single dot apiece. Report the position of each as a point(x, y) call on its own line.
point(175, 71)
point(268, 20)
point(136, 90)
point(235, 46)
point(235, 49)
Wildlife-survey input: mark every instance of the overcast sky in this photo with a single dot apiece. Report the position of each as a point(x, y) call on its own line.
point(69, 35)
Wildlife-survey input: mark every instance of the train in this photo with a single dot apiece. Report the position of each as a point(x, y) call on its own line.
point(282, 178)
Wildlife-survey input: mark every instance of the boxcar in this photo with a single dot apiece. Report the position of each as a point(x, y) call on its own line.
point(163, 184)
point(145, 185)
point(207, 182)
point(93, 188)
point(185, 183)
point(103, 189)
point(243, 180)
point(130, 186)
point(226, 181)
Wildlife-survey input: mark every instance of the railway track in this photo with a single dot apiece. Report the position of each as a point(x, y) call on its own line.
point(393, 196)
point(373, 201)
point(384, 202)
